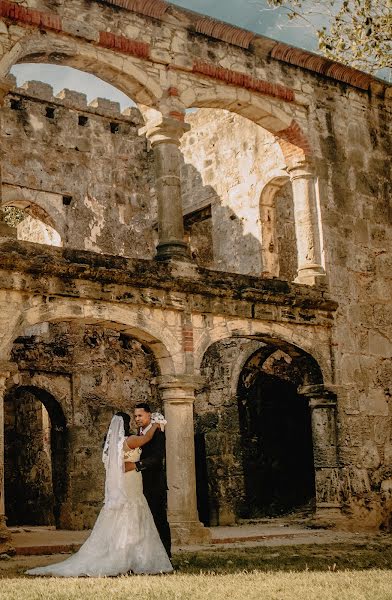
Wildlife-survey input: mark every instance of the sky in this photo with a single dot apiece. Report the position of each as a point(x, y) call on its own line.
point(254, 15)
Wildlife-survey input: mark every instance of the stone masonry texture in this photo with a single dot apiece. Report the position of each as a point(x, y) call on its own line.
point(282, 312)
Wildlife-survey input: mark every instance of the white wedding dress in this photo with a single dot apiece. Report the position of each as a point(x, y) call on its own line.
point(123, 539)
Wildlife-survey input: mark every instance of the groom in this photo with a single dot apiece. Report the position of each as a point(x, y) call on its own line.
point(151, 466)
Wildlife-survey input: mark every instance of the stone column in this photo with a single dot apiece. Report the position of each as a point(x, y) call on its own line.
point(5, 536)
point(307, 229)
point(164, 135)
point(5, 229)
point(178, 398)
point(322, 404)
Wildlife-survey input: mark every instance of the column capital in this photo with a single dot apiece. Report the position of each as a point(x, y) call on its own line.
point(320, 396)
point(181, 386)
point(164, 130)
point(301, 170)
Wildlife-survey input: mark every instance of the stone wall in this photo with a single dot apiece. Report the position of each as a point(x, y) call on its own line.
point(353, 134)
point(81, 169)
point(297, 116)
point(108, 372)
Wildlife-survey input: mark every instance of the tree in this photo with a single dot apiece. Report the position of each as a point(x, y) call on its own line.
point(354, 32)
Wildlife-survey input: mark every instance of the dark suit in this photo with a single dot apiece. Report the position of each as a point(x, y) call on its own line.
point(151, 466)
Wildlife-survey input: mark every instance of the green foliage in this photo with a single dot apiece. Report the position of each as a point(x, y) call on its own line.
point(357, 32)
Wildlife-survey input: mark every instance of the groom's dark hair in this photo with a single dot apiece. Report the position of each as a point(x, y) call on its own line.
point(143, 405)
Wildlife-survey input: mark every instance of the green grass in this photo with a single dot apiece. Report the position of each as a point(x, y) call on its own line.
point(303, 572)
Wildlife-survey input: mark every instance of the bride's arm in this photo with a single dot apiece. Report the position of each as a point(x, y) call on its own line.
point(136, 441)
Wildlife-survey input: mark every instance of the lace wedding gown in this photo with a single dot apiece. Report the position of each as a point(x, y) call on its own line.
point(122, 540)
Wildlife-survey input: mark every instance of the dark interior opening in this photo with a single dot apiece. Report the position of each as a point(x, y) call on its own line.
point(277, 446)
point(35, 457)
point(49, 112)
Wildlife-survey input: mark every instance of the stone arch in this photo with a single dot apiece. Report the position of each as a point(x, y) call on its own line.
point(260, 109)
point(269, 332)
point(219, 420)
point(127, 74)
point(264, 110)
point(38, 226)
point(43, 206)
point(41, 486)
point(143, 324)
point(58, 388)
point(93, 370)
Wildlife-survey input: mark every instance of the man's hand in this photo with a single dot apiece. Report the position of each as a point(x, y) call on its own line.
point(129, 466)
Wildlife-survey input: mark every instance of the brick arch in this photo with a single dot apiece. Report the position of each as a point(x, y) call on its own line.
point(143, 325)
point(127, 75)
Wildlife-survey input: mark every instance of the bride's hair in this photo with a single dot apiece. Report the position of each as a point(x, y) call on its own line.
point(127, 422)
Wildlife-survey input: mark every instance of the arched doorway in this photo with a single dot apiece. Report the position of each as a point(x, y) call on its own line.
point(276, 433)
point(36, 446)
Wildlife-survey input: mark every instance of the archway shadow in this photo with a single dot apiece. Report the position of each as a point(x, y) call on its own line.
point(36, 452)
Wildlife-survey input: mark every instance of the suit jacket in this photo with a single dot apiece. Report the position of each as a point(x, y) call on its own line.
point(152, 466)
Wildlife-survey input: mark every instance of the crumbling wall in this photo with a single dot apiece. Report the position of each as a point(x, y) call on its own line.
point(218, 434)
point(347, 140)
point(109, 371)
point(81, 169)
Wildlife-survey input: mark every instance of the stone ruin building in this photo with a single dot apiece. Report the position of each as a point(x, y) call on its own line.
point(230, 264)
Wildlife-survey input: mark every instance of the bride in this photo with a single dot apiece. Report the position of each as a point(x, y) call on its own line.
point(124, 538)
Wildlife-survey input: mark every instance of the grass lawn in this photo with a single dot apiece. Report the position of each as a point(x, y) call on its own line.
point(303, 572)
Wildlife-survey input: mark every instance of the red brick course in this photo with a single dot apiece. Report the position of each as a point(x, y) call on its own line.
point(150, 8)
point(187, 339)
point(319, 64)
point(224, 31)
point(124, 45)
point(242, 80)
point(176, 114)
point(10, 10)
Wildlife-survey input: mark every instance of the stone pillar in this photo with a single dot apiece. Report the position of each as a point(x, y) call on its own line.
point(178, 398)
point(5, 229)
point(5, 536)
point(164, 135)
point(322, 404)
point(307, 229)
